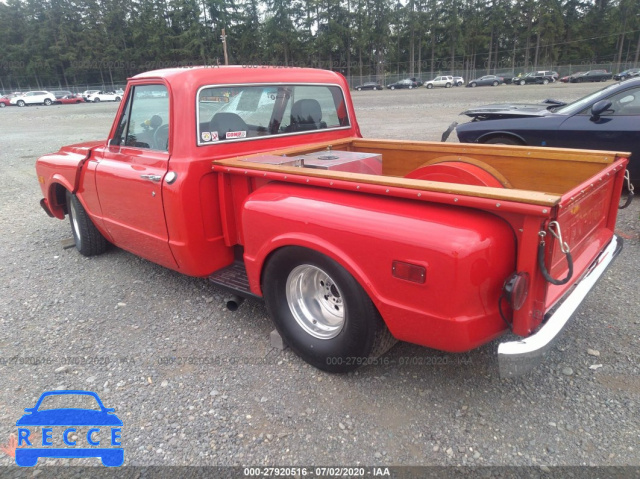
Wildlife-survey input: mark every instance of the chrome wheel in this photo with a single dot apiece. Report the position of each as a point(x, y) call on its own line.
point(315, 301)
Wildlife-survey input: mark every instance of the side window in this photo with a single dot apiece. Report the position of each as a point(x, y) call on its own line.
point(626, 103)
point(145, 119)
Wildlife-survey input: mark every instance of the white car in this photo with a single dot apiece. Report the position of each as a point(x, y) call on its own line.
point(34, 98)
point(444, 81)
point(103, 96)
point(86, 93)
point(458, 81)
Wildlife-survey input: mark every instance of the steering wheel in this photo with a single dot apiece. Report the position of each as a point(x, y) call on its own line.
point(161, 137)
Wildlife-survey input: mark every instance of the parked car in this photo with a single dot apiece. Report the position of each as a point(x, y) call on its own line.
point(103, 96)
point(630, 73)
point(568, 78)
point(62, 93)
point(535, 78)
point(507, 77)
point(370, 86)
point(69, 99)
point(458, 81)
point(608, 119)
point(443, 81)
point(592, 76)
point(487, 80)
point(86, 93)
point(403, 84)
point(5, 100)
point(33, 98)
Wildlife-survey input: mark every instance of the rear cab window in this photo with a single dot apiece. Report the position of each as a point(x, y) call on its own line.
point(247, 112)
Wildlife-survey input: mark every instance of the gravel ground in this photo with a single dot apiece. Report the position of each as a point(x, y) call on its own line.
point(106, 324)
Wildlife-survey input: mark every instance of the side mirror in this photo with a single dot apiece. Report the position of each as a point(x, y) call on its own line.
point(599, 108)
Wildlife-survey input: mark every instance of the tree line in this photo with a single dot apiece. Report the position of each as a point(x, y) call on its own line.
point(70, 42)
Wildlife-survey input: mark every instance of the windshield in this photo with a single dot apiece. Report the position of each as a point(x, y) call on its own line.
point(582, 103)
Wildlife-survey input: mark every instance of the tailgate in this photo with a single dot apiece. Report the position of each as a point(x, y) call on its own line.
point(586, 217)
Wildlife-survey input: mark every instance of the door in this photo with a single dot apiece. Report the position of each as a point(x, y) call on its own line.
point(130, 172)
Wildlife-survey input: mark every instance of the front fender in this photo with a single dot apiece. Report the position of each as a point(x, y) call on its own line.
point(62, 169)
point(467, 255)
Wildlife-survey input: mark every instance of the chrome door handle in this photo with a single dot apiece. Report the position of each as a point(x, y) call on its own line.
point(154, 178)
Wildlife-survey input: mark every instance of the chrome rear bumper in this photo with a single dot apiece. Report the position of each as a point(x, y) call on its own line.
point(516, 358)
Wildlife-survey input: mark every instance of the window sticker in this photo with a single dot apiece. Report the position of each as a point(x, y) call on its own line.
point(214, 136)
point(206, 136)
point(236, 134)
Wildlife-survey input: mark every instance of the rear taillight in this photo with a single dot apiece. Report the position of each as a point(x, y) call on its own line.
point(516, 289)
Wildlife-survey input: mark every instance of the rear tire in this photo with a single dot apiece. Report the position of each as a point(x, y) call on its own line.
point(89, 241)
point(545, 82)
point(322, 312)
point(47, 101)
point(495, 83)
point(448, 85)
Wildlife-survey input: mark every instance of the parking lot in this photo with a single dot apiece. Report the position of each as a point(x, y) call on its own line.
point(196, 384)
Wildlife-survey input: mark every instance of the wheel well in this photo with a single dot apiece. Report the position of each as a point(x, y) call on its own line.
point(59, 196)
point(511, 136)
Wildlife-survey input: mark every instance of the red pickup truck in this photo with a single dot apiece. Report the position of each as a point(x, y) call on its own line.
point(259, 179)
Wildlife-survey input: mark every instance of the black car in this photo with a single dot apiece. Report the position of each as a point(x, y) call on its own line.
point(408, 83)
point(508, 77)
point(592, 76)
point(608, 119)
point(631, 73)
point(535, 78)
point(369, 86)
point(487, 80)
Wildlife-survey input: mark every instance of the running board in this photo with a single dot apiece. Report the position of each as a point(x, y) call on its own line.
point(234, 279)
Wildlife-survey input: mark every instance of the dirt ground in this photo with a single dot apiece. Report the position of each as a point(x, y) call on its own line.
point(108, 324)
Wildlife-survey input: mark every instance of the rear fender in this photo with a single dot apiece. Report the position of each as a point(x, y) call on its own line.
point(466, 255)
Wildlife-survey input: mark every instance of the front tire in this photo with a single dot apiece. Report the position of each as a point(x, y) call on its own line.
point(322, 312)
point(359, 89)
point(89, 241)
point(429, 86)
point(522, 82)
point(96, 100)
point(21, 103)
point(392, 88)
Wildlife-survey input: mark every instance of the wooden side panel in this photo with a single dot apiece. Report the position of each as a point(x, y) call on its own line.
point(550, 170)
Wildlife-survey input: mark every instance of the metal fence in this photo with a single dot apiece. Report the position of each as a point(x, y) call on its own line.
point(469, 74)
point(7, 87)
